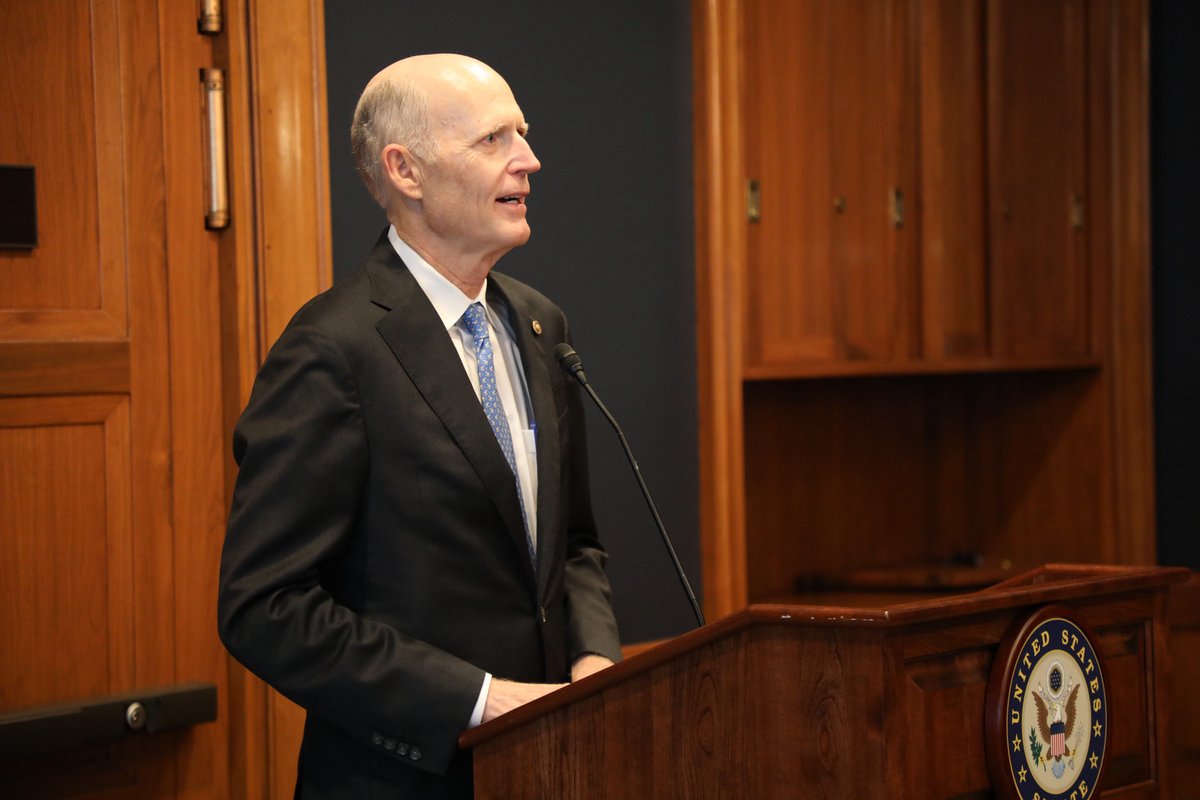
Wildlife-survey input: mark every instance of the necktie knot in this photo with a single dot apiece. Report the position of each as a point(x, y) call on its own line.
point(475, 318)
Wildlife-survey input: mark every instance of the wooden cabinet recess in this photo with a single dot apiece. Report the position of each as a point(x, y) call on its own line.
point(926, 361)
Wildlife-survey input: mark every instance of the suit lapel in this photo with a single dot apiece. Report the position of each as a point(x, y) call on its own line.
point(416, 336)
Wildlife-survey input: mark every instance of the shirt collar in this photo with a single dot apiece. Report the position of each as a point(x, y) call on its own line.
point(448, 300)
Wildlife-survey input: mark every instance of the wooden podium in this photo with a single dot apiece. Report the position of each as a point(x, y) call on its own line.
point(816, 701)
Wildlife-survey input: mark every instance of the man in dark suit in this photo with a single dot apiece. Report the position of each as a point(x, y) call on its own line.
point(411, 548)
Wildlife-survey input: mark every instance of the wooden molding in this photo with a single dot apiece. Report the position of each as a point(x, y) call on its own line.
point(1130, 339)
point(275, 256)
point(720, 261)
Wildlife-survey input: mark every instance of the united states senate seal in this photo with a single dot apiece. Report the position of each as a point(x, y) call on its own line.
point(1047, 712)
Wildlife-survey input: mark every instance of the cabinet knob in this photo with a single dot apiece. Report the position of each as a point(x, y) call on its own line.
point(896, 207)
point(839, 204)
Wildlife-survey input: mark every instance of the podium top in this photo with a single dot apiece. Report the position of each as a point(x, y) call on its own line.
point(1052, 583)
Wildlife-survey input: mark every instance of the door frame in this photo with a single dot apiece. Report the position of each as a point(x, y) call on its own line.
point(276, 254)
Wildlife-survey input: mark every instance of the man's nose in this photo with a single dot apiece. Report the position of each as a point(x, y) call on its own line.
point(525, 160)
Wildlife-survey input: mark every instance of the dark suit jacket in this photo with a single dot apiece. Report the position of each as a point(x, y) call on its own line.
point(375, 562)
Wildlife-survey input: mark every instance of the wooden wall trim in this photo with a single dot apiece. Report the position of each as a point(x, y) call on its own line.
point(1130, 353)
point(291, 158)
point(720, 260)
point(28, 368)
point(275, 256)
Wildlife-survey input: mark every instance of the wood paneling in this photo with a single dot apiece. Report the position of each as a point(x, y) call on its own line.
point(893, 472)
point(830, 99)
point(980, 387)
point(276, 255)
point(873, 150)
point(786, 701)
point(68, 624)
point(791, 282)
point(128, 341)
point(952, 210)
point(63, 367)
point(123, 491)
point(66, 575)
point(1038, 152)
point(720, 334)
point(69, 128)
point(1183, 698)
point(286, 43)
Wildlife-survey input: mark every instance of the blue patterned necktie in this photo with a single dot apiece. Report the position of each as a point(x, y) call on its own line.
point(475, 319)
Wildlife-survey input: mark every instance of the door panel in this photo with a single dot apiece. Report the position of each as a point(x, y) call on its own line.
point(68, 126)
point(111, 434)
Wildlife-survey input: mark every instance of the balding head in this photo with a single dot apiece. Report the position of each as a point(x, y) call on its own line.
point(405, 103)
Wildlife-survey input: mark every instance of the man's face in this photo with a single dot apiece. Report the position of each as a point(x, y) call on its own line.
point(474, 191)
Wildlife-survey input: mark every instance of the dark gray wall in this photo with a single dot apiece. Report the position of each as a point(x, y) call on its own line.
point(1175, 214)
point(606, 88)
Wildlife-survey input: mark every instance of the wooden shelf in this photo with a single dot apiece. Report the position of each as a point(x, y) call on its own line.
point(849, 369)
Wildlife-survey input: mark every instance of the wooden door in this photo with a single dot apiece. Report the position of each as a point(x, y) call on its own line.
point(829, 115)
point(111, 431)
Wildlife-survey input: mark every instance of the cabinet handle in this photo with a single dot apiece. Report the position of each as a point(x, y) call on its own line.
point(217, 216)
point(753, 201)
point(1077, 212)
point(896, 207)
point(839, 204)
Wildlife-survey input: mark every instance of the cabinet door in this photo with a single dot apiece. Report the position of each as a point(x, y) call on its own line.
point(1037, 95)
point(954, 290)
point(830, 139)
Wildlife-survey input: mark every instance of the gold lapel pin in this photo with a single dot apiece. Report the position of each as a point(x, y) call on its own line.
point(537, 327)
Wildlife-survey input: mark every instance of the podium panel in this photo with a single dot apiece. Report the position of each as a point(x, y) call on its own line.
point(817, 701)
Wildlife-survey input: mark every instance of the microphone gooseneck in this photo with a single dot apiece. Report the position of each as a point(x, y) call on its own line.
point(569, 360)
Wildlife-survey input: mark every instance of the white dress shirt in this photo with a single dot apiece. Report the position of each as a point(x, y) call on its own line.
point(450, 303)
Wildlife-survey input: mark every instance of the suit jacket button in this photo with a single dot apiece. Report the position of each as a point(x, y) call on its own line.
point(376, 739)
point(415, 754)
point(389, 744)
point(402, 750)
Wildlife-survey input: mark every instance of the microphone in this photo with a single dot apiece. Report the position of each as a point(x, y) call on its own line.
point(569, 360)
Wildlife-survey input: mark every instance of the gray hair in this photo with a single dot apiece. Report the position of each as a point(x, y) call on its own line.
point(393, 111)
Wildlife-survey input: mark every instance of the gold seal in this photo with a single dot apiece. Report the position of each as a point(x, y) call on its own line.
point(537, 327)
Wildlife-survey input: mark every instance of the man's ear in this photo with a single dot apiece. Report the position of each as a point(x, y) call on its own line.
point(402, 171)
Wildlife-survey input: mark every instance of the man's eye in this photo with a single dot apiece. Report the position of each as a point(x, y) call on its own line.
point(490, 138)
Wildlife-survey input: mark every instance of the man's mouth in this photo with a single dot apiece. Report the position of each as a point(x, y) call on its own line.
point(513, 199)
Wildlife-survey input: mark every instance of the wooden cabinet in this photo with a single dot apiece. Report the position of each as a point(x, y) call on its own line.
point(829, 115)
point(931, 347)
point(919, 173)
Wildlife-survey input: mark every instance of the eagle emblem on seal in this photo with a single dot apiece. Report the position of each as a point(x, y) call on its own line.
point(1056, 717)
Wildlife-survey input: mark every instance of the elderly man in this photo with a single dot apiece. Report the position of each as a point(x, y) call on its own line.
point(411, 548)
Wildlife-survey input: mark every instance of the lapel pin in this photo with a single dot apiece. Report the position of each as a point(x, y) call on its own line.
point(537, 327)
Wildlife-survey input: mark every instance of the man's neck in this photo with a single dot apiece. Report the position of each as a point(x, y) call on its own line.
point(466, 272)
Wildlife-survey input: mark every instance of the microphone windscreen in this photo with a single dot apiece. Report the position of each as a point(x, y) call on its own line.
point(567, 357)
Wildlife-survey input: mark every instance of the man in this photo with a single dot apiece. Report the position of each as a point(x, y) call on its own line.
point(411, 548)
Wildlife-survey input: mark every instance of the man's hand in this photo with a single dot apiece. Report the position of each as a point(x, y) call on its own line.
point(588, 664)
point(504, 696)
